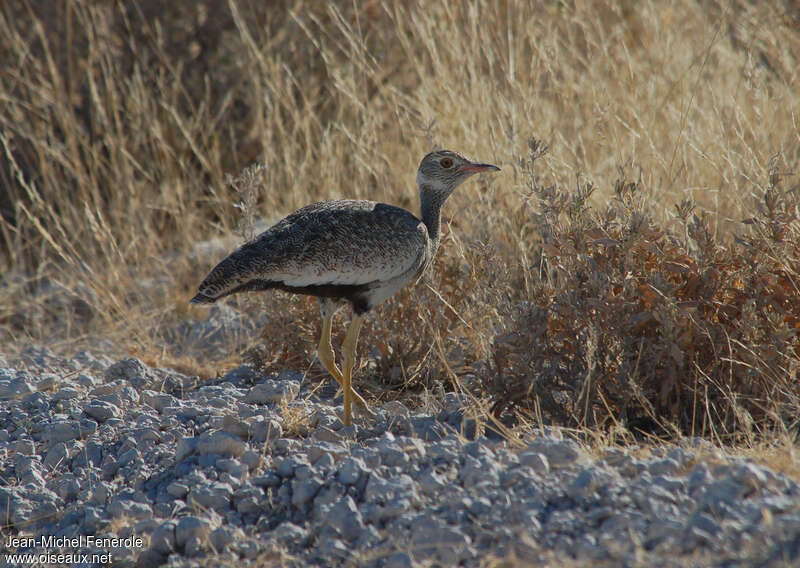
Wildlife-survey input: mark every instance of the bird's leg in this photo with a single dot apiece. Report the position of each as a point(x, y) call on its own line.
point(328, 359)
point(349, 348)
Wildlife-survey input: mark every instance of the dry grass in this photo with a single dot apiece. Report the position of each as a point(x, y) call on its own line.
point(124, 127)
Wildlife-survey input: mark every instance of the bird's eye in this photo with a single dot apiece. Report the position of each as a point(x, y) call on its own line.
point(447, 163)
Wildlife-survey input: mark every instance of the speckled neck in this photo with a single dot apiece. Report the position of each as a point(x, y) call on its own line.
point(431, 202)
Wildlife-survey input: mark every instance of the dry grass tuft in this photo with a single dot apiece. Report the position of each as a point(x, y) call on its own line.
point(129, 130)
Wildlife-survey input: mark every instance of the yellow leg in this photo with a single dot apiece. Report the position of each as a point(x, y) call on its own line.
point(328, 359)
point(349, 349)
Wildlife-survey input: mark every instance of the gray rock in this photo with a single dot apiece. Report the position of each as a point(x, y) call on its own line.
point(185, 448)
point(287, 466)
point(162, 540)
point(475, 472)
point(178, 489)
point(222, 537)
point(559, 453)
point(289, 534)
point(12, 389)
point(272, 392)
point(67, 393)
point(303, 491)
point(23, 447)
point(132, 371)
point(318, 448)
point(334, 549)
point(102, 411)
point(215, 495)
point(325, 434)
point(350, 470)
point(262, 430)
point(345, 518)
point(159, 400)
point(536, 461)
point(61, 432)
point(125, 508)
point(191, 527)
point(383, 490)
point(56, 456)
point(431, 482)
point(431, 537)
point(220, 443)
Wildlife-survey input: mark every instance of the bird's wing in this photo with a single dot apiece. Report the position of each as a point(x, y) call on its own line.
point(353, 243)
point(347, 242)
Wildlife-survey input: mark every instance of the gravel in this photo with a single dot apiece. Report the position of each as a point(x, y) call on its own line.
point(257, 470)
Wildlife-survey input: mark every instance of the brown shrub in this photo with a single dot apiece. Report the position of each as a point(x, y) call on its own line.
point(632, 322)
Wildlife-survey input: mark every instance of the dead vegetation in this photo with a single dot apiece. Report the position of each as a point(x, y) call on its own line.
point(661, 329)
point(643, 274)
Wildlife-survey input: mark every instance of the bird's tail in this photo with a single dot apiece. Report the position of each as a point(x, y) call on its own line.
point(236, 273)
point(202, 299)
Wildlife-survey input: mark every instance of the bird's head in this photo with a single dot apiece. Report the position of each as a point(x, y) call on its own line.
point(442, 171)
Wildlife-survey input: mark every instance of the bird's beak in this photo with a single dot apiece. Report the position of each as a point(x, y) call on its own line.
point(475, 168)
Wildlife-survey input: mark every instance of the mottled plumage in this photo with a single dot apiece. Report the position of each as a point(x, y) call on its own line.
point(360, 251)
point(355, 251)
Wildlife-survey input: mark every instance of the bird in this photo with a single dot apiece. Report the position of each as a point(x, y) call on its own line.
point(346, 251)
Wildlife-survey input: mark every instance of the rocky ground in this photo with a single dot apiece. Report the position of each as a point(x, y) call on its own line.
point(257, 470)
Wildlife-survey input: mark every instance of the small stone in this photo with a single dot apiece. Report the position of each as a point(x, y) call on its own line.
point(220, 443)
point(191, 527)
point(185, 448)
point(431, 482)
point(159, 400)
point(351, 470)
point(132, 371)
point(333, 548)
point(163, 538)
point(536, 461)
point(666, 466)
point(324, 434)
point(23, 447)
point(448, 543)
point(215, 496)
point(345, 517)
point(337, 451)
point(262, 430)
point(56, 456)
point(222, 537)
point(272, 392)
point(60, 432)
point(131, 456)
point(290, 534)
point(304, 472)
point(304, 491)
point(102, 410)
point(384, 490)
point(15, 388)
point(559, 453)
point(177, 489)
point(270, 479)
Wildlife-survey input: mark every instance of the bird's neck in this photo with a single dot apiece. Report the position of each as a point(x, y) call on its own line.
point(431, 205)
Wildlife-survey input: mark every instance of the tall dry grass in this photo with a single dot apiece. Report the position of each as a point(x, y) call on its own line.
point(122, 122)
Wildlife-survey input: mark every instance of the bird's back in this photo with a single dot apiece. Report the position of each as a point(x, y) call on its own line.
point(338, 243)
